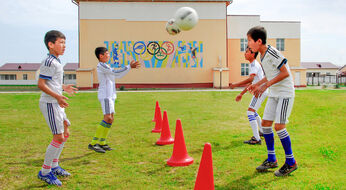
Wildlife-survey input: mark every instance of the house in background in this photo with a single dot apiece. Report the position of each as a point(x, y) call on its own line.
point(27, 73)
point(70, 70)
point(19, 73)
point(320, 72)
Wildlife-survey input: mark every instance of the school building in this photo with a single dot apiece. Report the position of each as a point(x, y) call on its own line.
point(209, 55)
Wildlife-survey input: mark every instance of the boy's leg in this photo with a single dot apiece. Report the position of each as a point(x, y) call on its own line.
point(253, 123)
point(268, 117)
point(284, 111)
point(259, 123)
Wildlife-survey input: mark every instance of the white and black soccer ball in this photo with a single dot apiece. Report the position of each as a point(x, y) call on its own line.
point(186, 18)
point(172, 27)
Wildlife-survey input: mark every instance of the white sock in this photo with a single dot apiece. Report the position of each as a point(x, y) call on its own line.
point(259, 122)
point(253, 124)
point(51, 152)
point(56, 159)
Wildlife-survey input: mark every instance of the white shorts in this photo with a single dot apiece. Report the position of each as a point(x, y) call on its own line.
point(107, 105)
point(278, 109)
point(54, 116)
point(256, 102)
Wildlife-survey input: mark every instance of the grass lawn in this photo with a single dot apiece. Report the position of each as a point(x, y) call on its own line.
point(317, 129)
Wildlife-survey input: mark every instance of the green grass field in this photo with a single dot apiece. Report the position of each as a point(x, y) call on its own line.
point(317, 129)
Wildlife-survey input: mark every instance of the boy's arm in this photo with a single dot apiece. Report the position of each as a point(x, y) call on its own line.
point(246, 81)
point(69, 89)
point(60, 98)
point(238, 98)
point(281, 76)
point(120, 72)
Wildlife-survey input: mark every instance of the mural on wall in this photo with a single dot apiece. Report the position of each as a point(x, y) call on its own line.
point(156, 54)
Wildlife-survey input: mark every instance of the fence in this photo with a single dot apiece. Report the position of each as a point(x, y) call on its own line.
point(326, 79)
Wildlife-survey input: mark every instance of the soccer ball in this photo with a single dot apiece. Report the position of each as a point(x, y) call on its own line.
point(186, 18)
point(172, 27)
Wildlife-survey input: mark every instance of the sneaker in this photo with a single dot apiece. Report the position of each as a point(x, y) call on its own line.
point(58, 171)
point(50, 178)
point(96, 148)
point(285, 170)
point(106, 147)
point(260, 134)
point(266, 165)
point(253, 141)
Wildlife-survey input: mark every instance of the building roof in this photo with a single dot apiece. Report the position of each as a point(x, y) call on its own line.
point(155, 0)
point(71, 67)
point(20, 67)
point(319, 65)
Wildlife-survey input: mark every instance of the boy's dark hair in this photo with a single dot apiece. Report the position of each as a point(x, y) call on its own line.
point(52, 36)
point(258, 32)
point(100, 50)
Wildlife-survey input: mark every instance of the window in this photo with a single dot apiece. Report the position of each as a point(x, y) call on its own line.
point(280, 44)
point(70, 77)
point(8, 77)
point(244, 69)
point(243, 44)
point(25, 76)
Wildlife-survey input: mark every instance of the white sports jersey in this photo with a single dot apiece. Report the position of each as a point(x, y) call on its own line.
point(272, 61)
point(255, 68)
point(107, 76)
point(52, 70)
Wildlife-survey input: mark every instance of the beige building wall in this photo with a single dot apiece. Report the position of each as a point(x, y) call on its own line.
point(19, 74)
point(112, 23)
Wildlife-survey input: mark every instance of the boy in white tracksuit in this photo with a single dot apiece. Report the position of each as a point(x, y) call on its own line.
point(106, 96)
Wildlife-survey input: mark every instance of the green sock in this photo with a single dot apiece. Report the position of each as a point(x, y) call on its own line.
point(97, 135)
point(105, 132)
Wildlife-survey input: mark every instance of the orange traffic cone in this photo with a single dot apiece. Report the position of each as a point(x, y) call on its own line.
point(156, 109)
point(205, 177)
point(158, 121)
point(179, 156)
point(165, 137)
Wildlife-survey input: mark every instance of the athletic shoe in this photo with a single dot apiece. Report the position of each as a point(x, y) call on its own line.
point(260, 134)
point(96, 148)
point(286, 169)
point(266, 165)
point(106, 147)
point(253, 141)
point(50, 178)
point(58, 171)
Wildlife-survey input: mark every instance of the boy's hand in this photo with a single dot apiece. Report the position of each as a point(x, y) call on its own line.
point(232, 86)
point(69, 89)
point(238, 98)
point(61, 101)
point(259, 90)
point(135, 64)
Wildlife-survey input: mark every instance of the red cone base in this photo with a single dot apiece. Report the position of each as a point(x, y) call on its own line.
point(179, 156)
point(156, 109)
point(205, 176)
point(165, 137)
point(158, 121)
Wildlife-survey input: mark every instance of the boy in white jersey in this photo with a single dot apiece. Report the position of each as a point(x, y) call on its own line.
point(52, 105)
point(255, 75)
point(279, 80)
point(106, 95)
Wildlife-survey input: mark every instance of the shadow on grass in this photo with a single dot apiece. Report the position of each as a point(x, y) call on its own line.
point(244, 182)
point(36, 186)
point(39, 162)
point(158, 170)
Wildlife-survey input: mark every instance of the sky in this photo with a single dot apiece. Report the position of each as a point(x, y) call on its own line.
point(23, 24)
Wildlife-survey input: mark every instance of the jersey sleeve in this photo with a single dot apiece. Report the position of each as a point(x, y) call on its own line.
point(117, 73)
point(47, 70)
point(279, 59)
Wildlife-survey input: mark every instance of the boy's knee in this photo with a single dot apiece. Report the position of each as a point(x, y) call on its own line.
point(108, 119)
point(266, 123)
point(279, 126)
point(59, 138)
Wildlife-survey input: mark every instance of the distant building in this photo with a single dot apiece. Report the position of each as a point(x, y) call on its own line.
point(27, 73)
point(342, 71)
point(70, 73)
point(320, 72)
point(19, 73)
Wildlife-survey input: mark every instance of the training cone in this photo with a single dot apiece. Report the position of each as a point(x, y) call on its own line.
point(179, 156)
point(156, 110)
point(158, 122)
point(165, 137)
point(205, 176)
